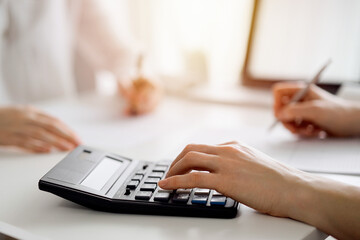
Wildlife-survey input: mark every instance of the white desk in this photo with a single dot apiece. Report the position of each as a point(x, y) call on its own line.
point(99, 123)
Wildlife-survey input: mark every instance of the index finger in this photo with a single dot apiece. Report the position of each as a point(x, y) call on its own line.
point(191, 180)
point(209, 149)
point(283, 92)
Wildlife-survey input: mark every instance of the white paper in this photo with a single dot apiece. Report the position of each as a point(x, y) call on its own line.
point(315, 155)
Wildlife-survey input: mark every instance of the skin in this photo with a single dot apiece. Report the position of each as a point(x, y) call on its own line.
point(30, 129)
point(318, 113)
point(260, 182)
point(141, 95)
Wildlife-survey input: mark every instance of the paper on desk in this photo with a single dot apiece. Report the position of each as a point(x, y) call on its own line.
point(340, 156)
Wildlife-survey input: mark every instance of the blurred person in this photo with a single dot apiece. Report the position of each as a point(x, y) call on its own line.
point(260, 182)
point(53, 49)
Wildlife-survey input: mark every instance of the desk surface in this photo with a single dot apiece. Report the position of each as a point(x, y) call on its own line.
point(99, 122)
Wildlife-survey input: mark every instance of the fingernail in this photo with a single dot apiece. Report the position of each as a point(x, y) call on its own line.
point(162, 183)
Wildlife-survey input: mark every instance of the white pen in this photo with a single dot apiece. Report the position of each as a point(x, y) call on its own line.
point(302, 92)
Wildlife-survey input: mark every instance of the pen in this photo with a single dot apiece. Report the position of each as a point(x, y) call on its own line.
point(302, 92)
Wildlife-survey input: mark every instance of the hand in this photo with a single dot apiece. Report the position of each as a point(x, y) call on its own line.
point(237, 171)
point(319, 112)
point(256, 180)
point(142, 95)
point(34, 131)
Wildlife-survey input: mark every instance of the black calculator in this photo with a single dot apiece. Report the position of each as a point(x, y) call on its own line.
point(112, 183)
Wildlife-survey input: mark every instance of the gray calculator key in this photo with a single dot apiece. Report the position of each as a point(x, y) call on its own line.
point(156, 174)
point(164, 190)
point(148, 187)
point(162, 196)
point(229, 203)
point(182, 190)
point(181, 198)
point(160, 168)
point(199, 199)
point(202, 191)
point(132, 184)
point(152, 180)
point(143, 195)
point(141, 172)
point(137, 177)
point(218, 200)
point(216, 193)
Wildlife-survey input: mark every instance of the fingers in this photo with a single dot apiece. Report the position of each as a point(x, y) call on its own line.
point(190, 180)
point(283, 92)
point(304, 129)
point(194, 161)
point(208, 149)
point(308, 111)
point(57, 128)
point(32, 145)
point(142, 96)
point(49, 138)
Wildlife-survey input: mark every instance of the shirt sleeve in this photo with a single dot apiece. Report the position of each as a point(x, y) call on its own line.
point(100, 44)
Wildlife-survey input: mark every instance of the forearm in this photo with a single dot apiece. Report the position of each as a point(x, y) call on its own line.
point(331, 206)
point(354, 119)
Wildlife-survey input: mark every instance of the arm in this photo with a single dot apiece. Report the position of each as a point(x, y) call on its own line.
point(258, 181)
point(318, 112)
point(99, 43)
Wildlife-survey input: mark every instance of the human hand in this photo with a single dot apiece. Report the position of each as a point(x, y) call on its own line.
point(141, 95)
point(32, 130)
point(238, 171)
point(319, 112)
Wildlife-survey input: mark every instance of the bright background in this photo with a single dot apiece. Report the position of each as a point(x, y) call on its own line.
point(188, 42)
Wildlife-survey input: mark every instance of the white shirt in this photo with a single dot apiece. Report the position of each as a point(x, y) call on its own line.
point(43, 42)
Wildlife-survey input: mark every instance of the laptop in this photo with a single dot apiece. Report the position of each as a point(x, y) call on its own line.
point(290, 41)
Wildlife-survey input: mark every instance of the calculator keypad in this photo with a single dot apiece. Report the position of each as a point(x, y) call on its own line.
point(142, 185)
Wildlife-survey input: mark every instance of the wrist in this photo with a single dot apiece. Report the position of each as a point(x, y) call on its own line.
point(354, 118)
point(304, 198)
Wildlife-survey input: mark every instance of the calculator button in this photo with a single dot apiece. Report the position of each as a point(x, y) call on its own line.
point(140, 172)
point(156, 174)
point(143, 195)
point(152, 180)
point(160, 168)
point(216, 193)
point(127, 191)
point(229, 203)
point(181, 190)
point(202, 191)
point(137, 177)
point(163, 190)
point(148, 187)
point(218, 200)
point(181, 198)
point(132, 184)
point(199, 199)
point(162, 196)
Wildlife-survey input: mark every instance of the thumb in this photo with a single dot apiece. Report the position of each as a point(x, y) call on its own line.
point(302, 110)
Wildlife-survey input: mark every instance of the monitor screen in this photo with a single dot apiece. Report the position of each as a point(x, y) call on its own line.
point(293, 39)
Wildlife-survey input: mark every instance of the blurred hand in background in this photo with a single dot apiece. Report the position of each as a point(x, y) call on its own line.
point(318, 112)
point(32, 130)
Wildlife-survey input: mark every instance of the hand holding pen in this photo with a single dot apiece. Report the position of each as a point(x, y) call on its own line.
point(300, 94)
point(314, 112)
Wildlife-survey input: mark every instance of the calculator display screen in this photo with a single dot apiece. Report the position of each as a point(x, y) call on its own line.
point(101, 174)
